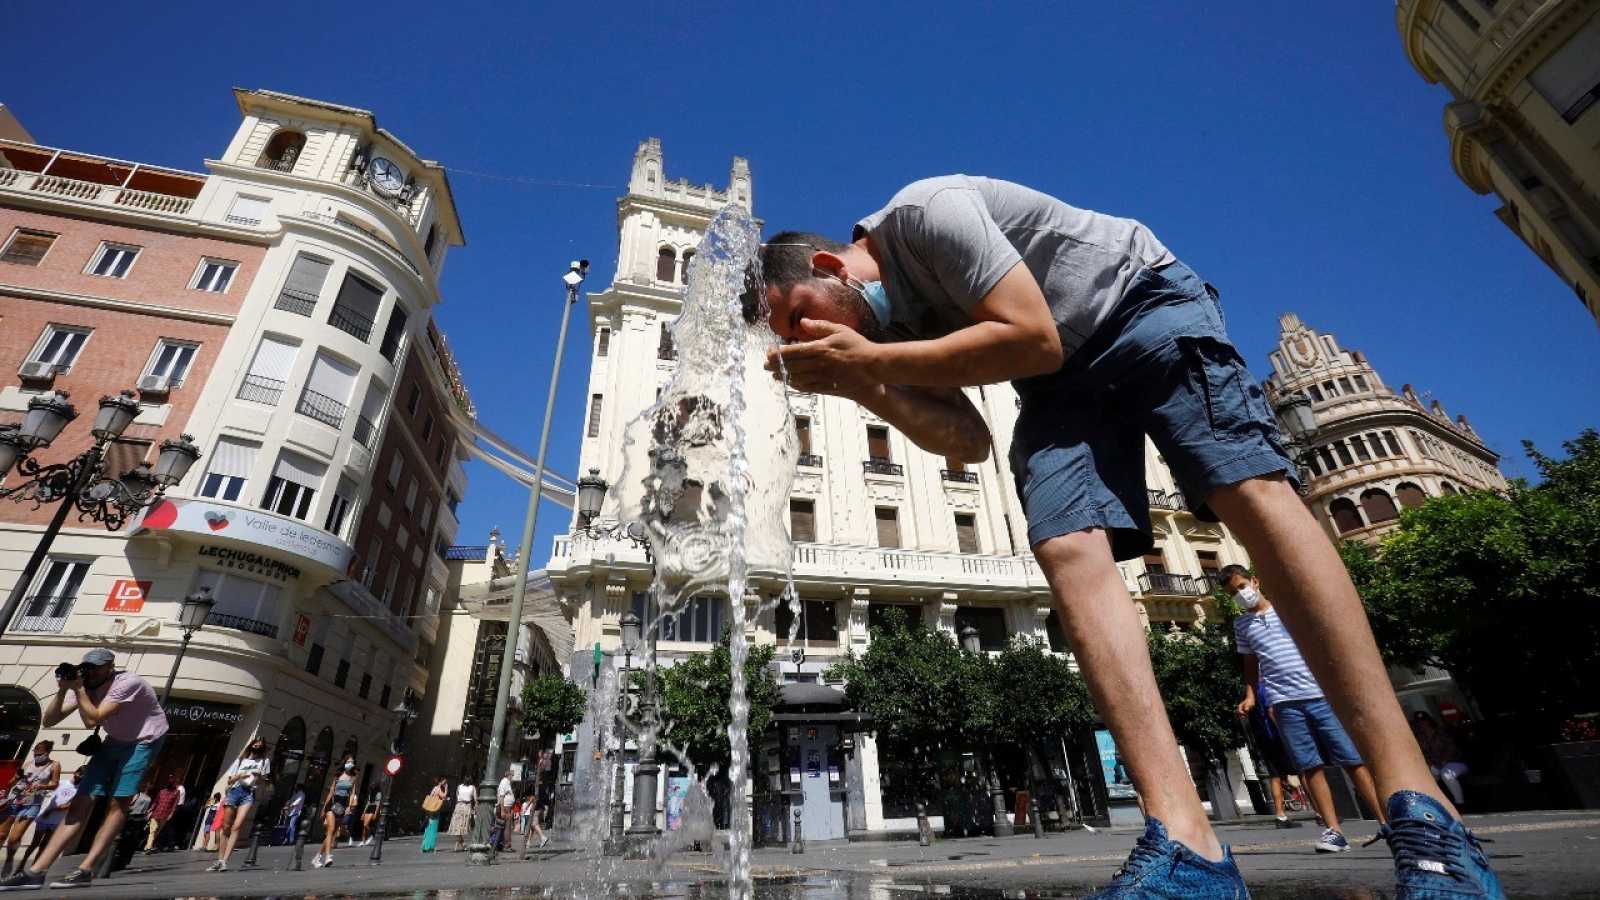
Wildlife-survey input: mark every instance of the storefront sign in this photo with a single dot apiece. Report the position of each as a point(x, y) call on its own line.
point(237, 524)
point(127, 596)
point(202, 712)
point(248, 562)
point(302, 629)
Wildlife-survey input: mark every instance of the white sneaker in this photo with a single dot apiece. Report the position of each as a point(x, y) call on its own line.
point(218, 866)
point(1332, 842)
point(316, 861)
point(366, 842)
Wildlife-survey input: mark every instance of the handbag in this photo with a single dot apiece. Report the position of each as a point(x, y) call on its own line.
point(91, 745)
point(432, 803)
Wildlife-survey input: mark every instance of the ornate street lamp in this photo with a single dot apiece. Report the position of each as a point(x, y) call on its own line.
point(1300, 429)
point(591, 497)
point(81, 483)
point(192, 617)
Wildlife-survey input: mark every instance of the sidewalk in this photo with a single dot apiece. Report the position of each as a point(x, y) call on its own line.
point(1538, 854)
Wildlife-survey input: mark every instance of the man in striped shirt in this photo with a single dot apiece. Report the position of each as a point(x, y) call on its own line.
point(1310, 732)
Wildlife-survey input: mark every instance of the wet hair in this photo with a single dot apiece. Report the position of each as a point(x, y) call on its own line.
point(1227, 572)
point(786, 257)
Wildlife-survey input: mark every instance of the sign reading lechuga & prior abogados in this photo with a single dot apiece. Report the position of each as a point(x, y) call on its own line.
point(234, 524)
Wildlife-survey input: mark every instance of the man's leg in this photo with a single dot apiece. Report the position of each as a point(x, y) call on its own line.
point(1275, 786)
point(1321, 797)
point(1311, 590)
point(116, 817)
point(1108, 640)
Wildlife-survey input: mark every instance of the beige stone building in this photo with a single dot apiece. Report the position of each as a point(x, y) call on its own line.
point(1523, 121)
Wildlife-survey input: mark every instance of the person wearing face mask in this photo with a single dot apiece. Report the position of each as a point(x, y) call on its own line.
point(34, 786)
point(125, 707)
point(245, 777)
point(1310, 732)
point(51, 813)
point(335, 807)
point(1109, 341)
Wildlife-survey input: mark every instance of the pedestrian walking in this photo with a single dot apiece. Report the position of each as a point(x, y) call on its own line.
point(209, 821)
point(530, 820)
point(1272, 763)
point(369, 814)
point(1312, 735)
point(461, 816)
point(963, 281)
point(252, 769)
point(51, 813)
point(125, 707)
point(162, 810)
point(292, 811)
point(432, 806)
point(1442, 754)
point(336, 805)
point(34, 785)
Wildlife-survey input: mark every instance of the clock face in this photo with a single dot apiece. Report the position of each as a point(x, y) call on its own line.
point(385, 175)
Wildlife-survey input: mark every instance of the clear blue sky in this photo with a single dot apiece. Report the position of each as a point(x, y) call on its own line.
point(1291, 155)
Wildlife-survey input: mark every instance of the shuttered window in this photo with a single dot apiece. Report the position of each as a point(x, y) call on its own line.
point(878, 442)
point(123, 455)
point(356, 310)
point(888, 519)
point(231, 463)
point(304, 285)
point(269, 371)
point(603, 343)
point(967, 532)
point(393, 334)
point(27, 248)
point(802, 520)
point(248, 210)
point(595, 402)
point(293, 486)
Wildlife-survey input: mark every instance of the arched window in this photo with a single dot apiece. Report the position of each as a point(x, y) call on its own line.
point(20, 717)
point(1378, 506)
point(1345, 515)
point(319, 760)
point(687, 256)
point(666, 265)
point(1448, 488)
point(282, 150)
point(1409, 495)
point(288, 755)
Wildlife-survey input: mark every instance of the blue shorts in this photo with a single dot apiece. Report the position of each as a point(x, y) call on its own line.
point(118, 768)
point(1313, 736)
point(1161, 365)
point(239, 795)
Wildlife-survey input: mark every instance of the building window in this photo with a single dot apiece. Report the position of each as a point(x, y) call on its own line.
point(433, 238)
point(283, 148)
point(1315, 392)
point(1360, 446)
point(602, 344)
point(27, 247)
point(990, 622)
point(1209, 567)
point(1327, 459)
point(243, 604)
point(1394, 445)
point(666, 264)
point(366, 685)
point(411, 495)
point(355, 312)
point(396, 466)
point(1378, 450)
point(879, 618)
point(303, 286)
point(1361, 383)
point(888, 521)
point(230, 463)
point(1378, 506)
point(56, 351)
point(47, 607)
point(595, 402)
point(802, 430)
point(1409, 495)
point(802, 519)
point(167, 366)
point(247, 210)
point(966, 533)
point(878, 444)
point(339, 507)
point(394, 334)
point(124, 455)
point(1345, 516)
point(1570, 77)
point(314, 659)
point(1344, 453)
point(427, 429)
point(688, 256)
point(213, 276)
point(1054, 634)
point(293, 486)
point(341, 675)
point(664, 347)
point(269, 371)
point(699, 622)
point(819, 621)
point(413, 399)
point(326, 396)
point(113, 260)
point(366, 432)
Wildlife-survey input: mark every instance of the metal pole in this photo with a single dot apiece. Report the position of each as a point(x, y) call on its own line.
point(482, 853)
point(166, 692)
point(302, 827)
point(1002, 820)
point(619, 775)
point(383, 820)
point(646, 773)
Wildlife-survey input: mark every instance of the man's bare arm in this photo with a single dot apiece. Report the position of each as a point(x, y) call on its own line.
point(939, 420)
point(57, 709)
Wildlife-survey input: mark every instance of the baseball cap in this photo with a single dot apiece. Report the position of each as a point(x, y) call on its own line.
point(99, 656)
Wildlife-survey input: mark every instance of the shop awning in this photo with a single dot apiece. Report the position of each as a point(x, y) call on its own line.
point(491, 601)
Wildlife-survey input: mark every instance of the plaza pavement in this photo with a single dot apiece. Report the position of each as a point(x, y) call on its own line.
point(1539, 854)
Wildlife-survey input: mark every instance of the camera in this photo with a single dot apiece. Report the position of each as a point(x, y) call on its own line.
point(67, 671)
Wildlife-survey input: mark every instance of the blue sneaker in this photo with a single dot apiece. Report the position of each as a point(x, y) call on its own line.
point(1435, 857)
point(1162, 867)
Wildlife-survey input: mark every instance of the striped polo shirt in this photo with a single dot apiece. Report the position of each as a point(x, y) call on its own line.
point(1284, 675)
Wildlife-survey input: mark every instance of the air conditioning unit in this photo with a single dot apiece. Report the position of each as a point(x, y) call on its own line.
point(155, 384)
point(34, 368)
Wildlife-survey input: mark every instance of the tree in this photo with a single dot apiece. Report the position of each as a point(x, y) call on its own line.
point(1031, 695)
point(694, 702)
point(551, 705)
point(1199, 679)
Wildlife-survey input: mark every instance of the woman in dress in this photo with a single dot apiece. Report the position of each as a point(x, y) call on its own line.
point(207, 838)
point(335, 806)
point(34, 785)
point(435, 799)
point(461, 818)
point(252, 769)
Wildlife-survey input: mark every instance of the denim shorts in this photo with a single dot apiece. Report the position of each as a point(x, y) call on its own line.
point(239, 795)
point(1313, 736)
point(118, 768)
point(1161, 365)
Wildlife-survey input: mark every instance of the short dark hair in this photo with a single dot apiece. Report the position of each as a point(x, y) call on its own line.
point(786, 256)
point(1228, 571)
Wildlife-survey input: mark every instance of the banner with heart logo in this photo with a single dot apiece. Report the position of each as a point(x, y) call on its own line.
point(271, 537)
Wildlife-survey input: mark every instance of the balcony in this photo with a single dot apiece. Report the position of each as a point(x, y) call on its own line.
point(240, 623)
point(98, 180)
point(297, 302)
point(1168, 584)
point(322, 408)
point(877, 465)
point(261, 389)
point(366, 432)
point(1208, 584)
point(1164, 500)
point(351, 321)
point(960, 476)
point(810, 460)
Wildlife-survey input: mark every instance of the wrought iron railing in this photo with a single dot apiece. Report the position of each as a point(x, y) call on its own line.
point(240, 623)
point(298, 302)
point(365, 431)
point(44, 613)
point(262, 389)
point(1168, 583)
point(321, 407)
point(351, 321)
point(814, 460)
point(960, 475)
point(877, 465)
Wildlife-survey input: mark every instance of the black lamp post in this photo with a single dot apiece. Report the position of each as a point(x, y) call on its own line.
point(1300, 429)
point(614, 845)
point(191, 618)
point(81, 483)
point(591, 497)
point(972, 643)
point(405, 712)
point(646, 775)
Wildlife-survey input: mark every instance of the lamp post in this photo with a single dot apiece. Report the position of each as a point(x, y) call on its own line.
point(191, 618)
point(591, 499)
point(405, 712)
point(1300, 429)
point(481, 853)
point(615, 844)
point(81, 483)
point(972, 643)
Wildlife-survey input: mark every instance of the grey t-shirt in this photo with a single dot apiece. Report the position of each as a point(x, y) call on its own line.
point(945, 242)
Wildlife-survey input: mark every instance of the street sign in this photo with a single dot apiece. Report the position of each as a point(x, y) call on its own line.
point(392, 765)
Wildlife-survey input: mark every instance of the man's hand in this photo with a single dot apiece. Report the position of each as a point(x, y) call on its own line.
point(1245, 705)
point(830, 359)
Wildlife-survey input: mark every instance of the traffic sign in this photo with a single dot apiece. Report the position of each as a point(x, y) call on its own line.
point(392, 765)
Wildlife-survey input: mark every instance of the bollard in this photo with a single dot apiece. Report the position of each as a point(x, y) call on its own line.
point(1033, 810)
point(255, 841)
point(302, 825)
point(797, 840)
point(383, 824)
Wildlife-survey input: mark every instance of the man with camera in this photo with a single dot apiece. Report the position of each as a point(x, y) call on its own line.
point(124, 706)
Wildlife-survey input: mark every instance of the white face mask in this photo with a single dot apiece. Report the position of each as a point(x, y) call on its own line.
point(1248, 597)
point(40, 759)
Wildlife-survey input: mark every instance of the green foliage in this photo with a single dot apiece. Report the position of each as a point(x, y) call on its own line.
point(1030, 694)
point(694, 701)
point(552, 705)
point(1198, 674)
point(1501, 589)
